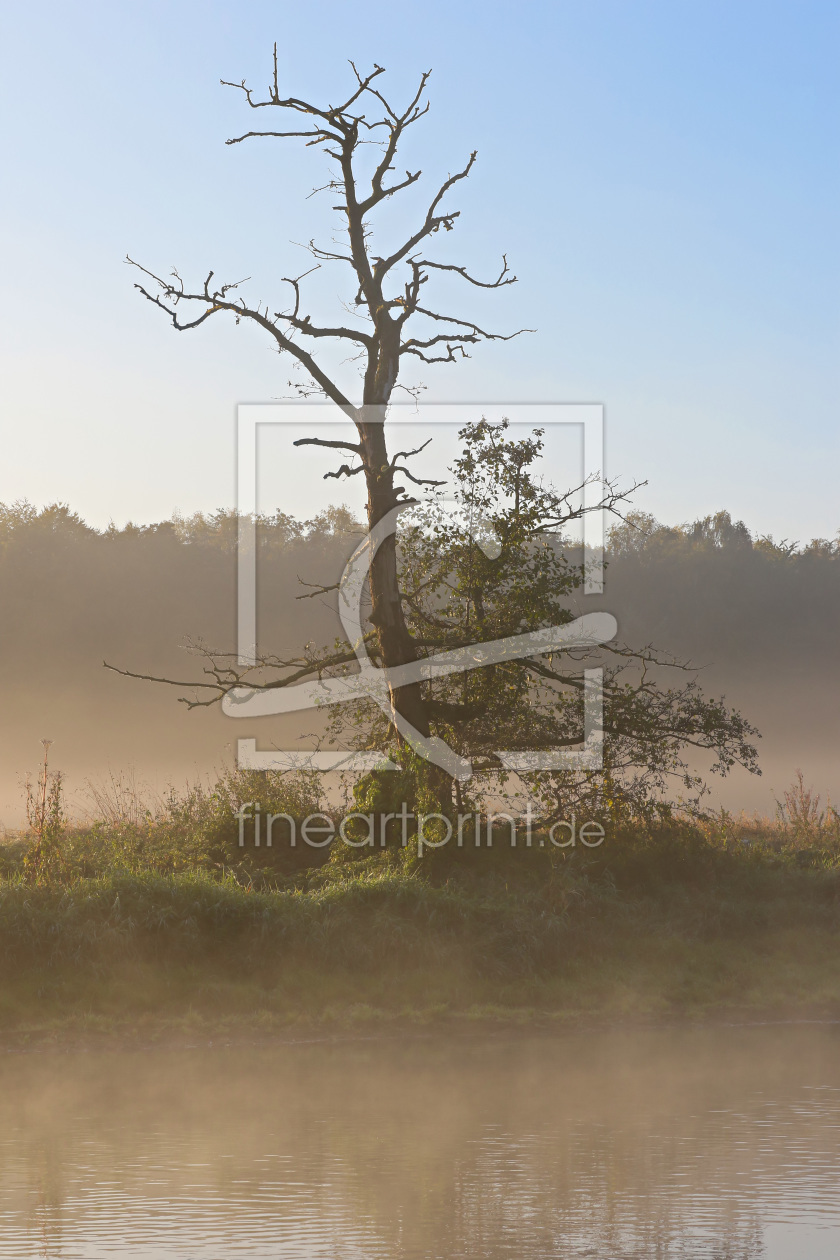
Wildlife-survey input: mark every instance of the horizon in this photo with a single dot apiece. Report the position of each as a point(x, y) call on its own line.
point(793, 547)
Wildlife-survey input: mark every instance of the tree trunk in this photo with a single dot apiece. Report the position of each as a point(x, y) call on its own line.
point(395, 642)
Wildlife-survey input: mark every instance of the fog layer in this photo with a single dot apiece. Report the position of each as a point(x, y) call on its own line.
point(760, 619)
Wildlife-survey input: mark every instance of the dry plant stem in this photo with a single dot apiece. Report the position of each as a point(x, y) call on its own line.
point(45, 815)
point(46, 744)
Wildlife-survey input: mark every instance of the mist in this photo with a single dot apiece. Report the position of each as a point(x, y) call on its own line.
point(758, 618)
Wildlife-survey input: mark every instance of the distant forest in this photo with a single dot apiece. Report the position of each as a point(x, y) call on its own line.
point(760, 617)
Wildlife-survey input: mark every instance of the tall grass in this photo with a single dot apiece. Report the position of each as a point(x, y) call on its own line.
point(703, 911)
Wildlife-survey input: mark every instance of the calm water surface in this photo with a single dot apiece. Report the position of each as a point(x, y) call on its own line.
point(717, 1143)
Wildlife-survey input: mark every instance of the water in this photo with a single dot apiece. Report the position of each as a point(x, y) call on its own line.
point(656, 1144)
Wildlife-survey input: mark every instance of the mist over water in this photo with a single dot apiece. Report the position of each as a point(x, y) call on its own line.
point(715, 1143)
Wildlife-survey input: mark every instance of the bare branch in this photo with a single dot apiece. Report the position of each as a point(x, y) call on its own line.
point(408, 454)
point(285, 135)
point(227, 678)
point(466, 323)
point(336, 445)
point(345, 471)
point(303, 106)
point(382, 193)
point(418, 481)
point(325, 255)
point(317, 589)
point(172, 682)
point(217, 301)
point(431, 223)
point(449, 357)
point(499, 283)
point(295, 283)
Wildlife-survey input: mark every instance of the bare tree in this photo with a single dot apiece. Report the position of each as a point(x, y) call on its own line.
point(395, 321)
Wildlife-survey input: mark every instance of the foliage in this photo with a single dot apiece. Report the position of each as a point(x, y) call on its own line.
point(193, 829)
point(209, 815)
point(639, 533)
point(665, 911)
point(151, 935)
point(500, 566)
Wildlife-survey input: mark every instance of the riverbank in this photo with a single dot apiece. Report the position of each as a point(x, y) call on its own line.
point(666, 928)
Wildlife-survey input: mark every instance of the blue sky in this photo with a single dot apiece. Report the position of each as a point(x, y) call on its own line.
point(662, 176)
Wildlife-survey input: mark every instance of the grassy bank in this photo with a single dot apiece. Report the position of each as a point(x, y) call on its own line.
point(146, 938)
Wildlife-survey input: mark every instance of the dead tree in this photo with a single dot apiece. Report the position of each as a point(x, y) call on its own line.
point(394, 321)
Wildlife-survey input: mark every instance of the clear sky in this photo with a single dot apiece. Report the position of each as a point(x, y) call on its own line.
point(663, 177)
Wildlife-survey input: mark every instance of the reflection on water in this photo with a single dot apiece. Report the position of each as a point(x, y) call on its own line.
point(717, 1143)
